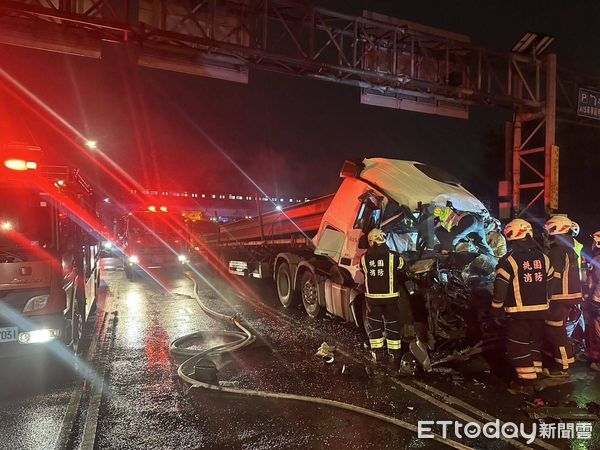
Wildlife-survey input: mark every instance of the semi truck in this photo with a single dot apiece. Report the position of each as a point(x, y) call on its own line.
point(49, 270)
point(312, 252)
point(154, 239)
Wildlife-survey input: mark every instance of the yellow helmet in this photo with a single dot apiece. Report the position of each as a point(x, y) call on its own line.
point(376, 236)
point(558, 225)
point(518, 229)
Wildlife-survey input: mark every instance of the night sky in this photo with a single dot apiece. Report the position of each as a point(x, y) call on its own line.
point(290, 134)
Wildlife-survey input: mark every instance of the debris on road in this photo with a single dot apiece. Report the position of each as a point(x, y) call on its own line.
point(325, 352)
point(560, 413)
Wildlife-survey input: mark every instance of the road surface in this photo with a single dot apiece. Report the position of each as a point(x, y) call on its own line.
point(134, 398)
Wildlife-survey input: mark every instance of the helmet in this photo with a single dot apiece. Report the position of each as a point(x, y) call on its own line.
point(518, 229)
point(376, 236)
point(575, 229)
point(558, 225)
point(596, 237)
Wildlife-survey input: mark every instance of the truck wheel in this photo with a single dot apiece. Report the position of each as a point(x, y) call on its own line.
point(287, 296)
point(309, 289)
point(76, 328)
point(365, 321)
point(129, 273)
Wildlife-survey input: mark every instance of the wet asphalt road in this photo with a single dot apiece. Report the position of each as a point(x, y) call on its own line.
point(146, 406)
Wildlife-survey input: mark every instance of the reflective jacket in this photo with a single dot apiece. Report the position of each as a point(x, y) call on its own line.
point(522, 277)
point(566, 285)
point(380, 267)
point(448, 218)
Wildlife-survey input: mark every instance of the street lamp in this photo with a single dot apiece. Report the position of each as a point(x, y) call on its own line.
point(278, 208)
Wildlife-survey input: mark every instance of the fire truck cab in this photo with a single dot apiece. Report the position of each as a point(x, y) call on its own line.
point(153, 239)
point(49, 271)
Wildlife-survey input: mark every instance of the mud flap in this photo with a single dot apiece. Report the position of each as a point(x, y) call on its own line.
point(419, 351)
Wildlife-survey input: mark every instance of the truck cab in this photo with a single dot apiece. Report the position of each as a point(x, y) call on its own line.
point(154, 238)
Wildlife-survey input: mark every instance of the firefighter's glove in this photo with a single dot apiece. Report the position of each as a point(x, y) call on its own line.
point(325, 352)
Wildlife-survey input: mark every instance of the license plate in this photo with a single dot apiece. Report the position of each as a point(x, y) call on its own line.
point(8, 334)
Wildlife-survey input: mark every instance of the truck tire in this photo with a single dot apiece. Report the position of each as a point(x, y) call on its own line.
point(285, 291)
point(310, 293)
point(75, 328)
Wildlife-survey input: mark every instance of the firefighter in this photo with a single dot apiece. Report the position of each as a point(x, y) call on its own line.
point(495, 238)
point(521, 289)
point(593, 305)
point(452, 227)
point(380, 267)
point(578, 245)
point(565, 292)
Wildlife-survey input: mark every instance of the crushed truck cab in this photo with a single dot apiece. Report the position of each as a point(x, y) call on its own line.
point(313, 251)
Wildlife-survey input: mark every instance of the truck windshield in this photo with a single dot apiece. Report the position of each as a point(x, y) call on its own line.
point(148, 223)
point(25, 220)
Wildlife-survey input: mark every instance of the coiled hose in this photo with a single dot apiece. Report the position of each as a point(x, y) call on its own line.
point(243, 338)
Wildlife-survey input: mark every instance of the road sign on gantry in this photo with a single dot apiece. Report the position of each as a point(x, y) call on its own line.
point(588, 103)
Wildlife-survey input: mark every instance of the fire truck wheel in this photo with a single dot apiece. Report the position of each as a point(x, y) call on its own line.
point(309, 290)
point(129, 273)
point(287, 295)
point(76, 329)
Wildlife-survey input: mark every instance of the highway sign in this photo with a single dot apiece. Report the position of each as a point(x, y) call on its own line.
point(588, 104)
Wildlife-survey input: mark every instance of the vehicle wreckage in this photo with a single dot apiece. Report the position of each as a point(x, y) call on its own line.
point(312, 251)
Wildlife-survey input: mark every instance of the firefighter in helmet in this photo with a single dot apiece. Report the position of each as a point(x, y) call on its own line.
point(565, 292)
point(382, 285)
point(520, 289)
point(593, 304)
point(452, 227)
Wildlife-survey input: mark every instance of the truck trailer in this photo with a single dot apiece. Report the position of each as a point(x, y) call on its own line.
point(312, 252)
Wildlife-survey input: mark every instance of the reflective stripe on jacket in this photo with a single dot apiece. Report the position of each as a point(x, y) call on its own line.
point(522, 281)
point(380, 267)
point(566, 284)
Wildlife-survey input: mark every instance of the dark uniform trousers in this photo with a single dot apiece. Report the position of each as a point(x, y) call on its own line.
point(383, 314)
point(524, 337)
point(555, 332)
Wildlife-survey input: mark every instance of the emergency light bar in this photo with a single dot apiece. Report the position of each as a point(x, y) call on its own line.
point(20, 164)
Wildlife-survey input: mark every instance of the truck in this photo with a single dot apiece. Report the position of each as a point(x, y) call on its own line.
point(312, 253)
point(154, 238)
point(49, 265)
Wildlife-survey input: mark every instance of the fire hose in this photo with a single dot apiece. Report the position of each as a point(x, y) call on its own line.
point(243, 338)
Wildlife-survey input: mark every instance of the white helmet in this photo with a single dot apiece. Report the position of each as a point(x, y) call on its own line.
point(518, 229)
point(376, 236)
point(596, 237)
point(575, 229)
point(558, 225)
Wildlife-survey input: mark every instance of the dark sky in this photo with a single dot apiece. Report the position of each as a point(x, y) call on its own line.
point(290, 134)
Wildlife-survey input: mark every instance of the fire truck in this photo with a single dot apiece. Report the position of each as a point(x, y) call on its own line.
point(49, 270)
point(154, 238)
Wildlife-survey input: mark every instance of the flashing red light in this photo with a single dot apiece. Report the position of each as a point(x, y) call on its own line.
point(6, 226)
point(152, 208)
point(20, 164)
point(163, 208)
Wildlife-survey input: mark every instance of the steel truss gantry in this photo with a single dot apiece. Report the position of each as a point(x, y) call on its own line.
point(416, 67)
